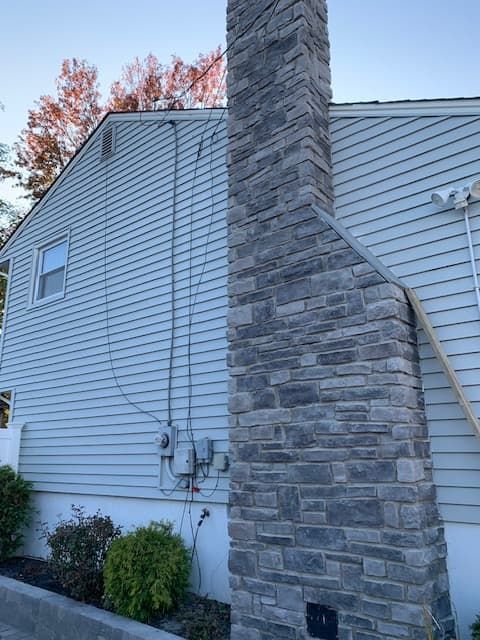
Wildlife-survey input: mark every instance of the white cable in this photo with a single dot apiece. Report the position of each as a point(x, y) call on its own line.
point(472, 256)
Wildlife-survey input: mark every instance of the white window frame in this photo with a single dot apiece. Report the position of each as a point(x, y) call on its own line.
point(37, 260)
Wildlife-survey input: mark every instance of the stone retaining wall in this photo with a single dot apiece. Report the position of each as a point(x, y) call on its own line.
point(48, 616)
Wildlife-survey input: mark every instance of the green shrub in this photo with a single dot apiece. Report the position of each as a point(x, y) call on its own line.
point(78, 548)
point(476, 629)
point(15, 509)
point(147, 571)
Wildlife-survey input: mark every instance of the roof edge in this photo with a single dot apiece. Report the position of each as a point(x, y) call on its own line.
point(434, 107)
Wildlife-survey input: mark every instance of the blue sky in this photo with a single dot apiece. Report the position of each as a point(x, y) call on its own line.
point(381, 49)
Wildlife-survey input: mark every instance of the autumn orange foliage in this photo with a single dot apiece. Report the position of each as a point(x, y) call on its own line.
point(57, 127)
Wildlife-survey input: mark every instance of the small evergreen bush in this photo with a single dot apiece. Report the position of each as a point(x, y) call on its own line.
point(78, 548)
point(147, 571)
point(15, 509)
point(475, 627)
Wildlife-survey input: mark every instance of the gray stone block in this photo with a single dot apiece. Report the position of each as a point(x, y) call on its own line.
point(353, 513)
point(304, 561)
point(410, 470)
point(296, 394)
point(330, 538)
point(340, 280)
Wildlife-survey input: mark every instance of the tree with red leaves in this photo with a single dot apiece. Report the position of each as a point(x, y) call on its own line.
point(57, 127)
point(147, 84)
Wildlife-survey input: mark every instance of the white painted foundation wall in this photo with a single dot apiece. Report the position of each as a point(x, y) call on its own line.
point(464, 570)
point(212, 541)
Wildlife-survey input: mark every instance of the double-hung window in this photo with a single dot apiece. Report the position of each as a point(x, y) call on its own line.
point(51, 263)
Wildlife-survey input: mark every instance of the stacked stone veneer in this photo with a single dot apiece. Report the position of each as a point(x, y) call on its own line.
point(332, 500)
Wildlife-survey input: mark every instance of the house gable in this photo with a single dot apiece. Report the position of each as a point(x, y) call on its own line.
point(91, 370)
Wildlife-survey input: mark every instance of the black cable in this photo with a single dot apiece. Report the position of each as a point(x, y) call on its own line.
point(107, 310)
point(209, 495)
point(169, 493)
point(191, 304)
point(191, 308)
point(223, 53)
point(172, 272)
point(184, 508)
point(194, 552)
point(272, 5)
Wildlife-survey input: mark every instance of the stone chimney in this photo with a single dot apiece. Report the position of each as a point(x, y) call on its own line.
point(333, 520)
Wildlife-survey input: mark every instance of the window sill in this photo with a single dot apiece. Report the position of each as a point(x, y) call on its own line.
point(49, 300)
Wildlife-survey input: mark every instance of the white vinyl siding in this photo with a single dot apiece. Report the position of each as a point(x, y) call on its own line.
point(83, 433)
point(385, 169)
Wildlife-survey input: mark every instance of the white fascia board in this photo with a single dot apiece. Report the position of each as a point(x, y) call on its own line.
point(179, 115)
point(446, 107)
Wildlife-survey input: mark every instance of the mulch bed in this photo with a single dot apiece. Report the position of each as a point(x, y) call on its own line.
point(195, 619)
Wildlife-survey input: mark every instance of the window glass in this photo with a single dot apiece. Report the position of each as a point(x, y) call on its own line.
point(54, 257)
point(51, 283)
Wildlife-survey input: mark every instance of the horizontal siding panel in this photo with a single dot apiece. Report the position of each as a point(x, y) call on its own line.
point(107, 479)
point(460, 513)
point(117, 463)
point(444, 412)
point(437, 380)
point(128, 423)
point(455, 478)
point(100, 402)
point(461, 444)
point(146, 318)
point(459, 495)
point(50, 436)
point(156, 383)
point(219, 496)
point(450, 428)
point(64, 413)
point(101, 380)
point(457, 461)
point(462, 345)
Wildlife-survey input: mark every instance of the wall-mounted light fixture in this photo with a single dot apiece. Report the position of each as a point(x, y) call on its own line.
point(460, 197)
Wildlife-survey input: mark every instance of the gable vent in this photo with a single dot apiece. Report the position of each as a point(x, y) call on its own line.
point(108, 143)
